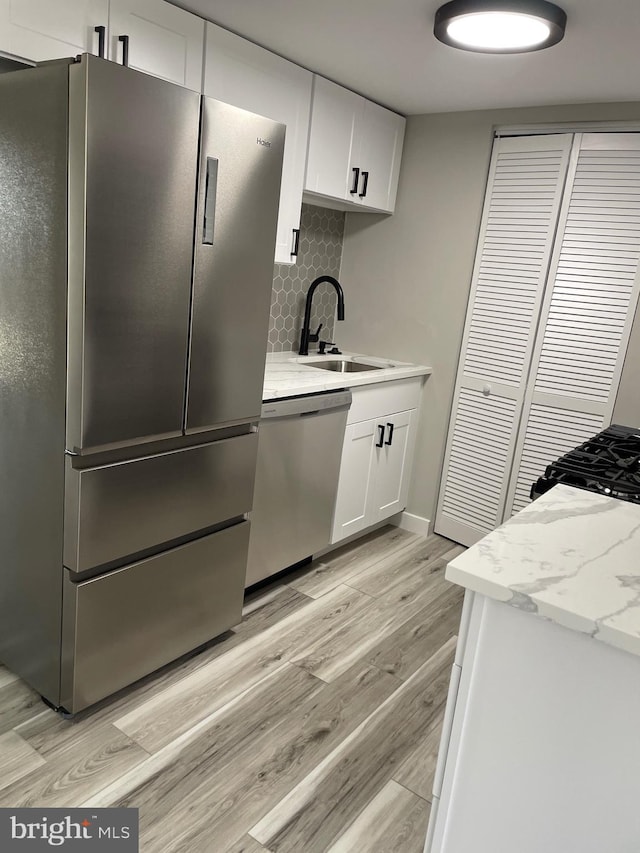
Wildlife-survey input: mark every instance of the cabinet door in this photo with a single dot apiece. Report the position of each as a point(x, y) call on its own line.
point(392, 473)
point(353, 503)
point(521, 211)
point(378, 144)
point(588, 309)
point(240, 73)
point(334, 114)
point(163, 41)
point(41, 29)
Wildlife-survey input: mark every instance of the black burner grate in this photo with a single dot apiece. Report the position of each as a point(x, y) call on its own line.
point(608, 463)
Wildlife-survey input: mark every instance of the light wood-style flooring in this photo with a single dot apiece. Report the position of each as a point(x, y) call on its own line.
point(313, 726)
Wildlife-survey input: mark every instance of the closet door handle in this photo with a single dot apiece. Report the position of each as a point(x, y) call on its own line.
point(380, 440)
point(356, 178)
point(296, 242)
point(365, 184)
point(125, 50)
point(389, 441)
point(102, 31)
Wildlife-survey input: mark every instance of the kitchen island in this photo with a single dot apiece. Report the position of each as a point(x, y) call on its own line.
point(540, 748)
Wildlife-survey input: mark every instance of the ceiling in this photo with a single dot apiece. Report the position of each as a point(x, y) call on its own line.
point(386, 50)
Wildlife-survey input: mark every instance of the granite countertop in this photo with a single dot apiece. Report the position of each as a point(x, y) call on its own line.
point(571, 556)
point(287, 374)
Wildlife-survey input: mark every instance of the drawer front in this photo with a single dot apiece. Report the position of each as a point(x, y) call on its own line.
point(126, 624)
point(123, 509)
point(374, 401)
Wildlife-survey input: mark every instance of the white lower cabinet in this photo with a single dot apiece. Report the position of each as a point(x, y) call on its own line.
point(375, 469)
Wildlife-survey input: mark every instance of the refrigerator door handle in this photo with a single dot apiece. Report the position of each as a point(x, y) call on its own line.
point(210, 192)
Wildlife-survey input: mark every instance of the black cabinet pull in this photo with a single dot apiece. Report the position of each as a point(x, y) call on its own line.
point(125, 50)
point(365, 184)
point(390, 439)
point(356, 178)
point(380, 440)
point(101, 37)
point(296, 242)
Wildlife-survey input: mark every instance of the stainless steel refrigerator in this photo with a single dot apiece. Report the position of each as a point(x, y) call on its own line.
point(137, 233)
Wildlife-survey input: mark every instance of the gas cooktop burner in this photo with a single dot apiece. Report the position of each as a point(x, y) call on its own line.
point(608, 463)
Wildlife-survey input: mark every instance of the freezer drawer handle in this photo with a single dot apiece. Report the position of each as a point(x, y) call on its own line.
point(365, 184)
point(380, 440)
point(390, 439)
point(210, 192)
point(101, 38)
point(125, 50)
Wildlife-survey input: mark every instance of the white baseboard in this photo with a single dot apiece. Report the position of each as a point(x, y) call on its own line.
point(412, 523)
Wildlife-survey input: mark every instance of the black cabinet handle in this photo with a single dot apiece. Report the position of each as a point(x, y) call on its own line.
point(390, 439)
point(380, 440)
point(102, 31)
point(365, 184)
point(296, 242)
point(125, 50)
point(356, 178)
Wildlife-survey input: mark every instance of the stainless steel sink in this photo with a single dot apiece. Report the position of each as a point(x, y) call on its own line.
point(344, 366)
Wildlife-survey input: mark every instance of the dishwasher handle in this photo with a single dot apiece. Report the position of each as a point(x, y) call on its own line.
point(309, 404)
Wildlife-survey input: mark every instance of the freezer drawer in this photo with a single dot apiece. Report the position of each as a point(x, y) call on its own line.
point(123, 625)
point(125, 508)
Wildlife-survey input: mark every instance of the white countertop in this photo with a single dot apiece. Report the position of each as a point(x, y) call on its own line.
point(287, 374)
point(571, 556)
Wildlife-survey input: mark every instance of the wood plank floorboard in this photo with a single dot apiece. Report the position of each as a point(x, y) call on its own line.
point(18, 703)
point(333, 794)
point(388, 574)
point(160, 719)
point(17, 758)
point(337, 567)
point(395, 821)
point(406, 649)
point(311, 726)
point(416, 581)
point(75, 769)
point(6, 676)
point(418, 771)
point(262, 610)
point(231, 775)
point(246, 844)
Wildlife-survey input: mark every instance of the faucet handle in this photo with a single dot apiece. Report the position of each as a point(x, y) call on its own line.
point(314, 337)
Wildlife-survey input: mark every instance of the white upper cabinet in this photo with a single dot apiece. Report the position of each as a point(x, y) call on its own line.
point(355, 148)
point(153, 36)
point(160, 40)
point(240, 73)
point(42, 29)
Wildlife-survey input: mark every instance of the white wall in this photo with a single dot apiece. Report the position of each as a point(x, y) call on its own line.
point(406, 277)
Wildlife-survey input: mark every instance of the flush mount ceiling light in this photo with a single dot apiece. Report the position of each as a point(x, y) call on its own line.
point(499, 26)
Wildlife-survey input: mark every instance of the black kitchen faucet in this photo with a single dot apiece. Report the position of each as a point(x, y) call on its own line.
point(305, 335)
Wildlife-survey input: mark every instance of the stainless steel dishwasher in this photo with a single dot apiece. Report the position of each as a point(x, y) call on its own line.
point(299, 450)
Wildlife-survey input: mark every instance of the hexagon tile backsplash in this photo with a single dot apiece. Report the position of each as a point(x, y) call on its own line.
point(319, 253)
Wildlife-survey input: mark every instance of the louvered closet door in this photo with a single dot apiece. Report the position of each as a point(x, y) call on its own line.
point(521, 209)
point(588, 311)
